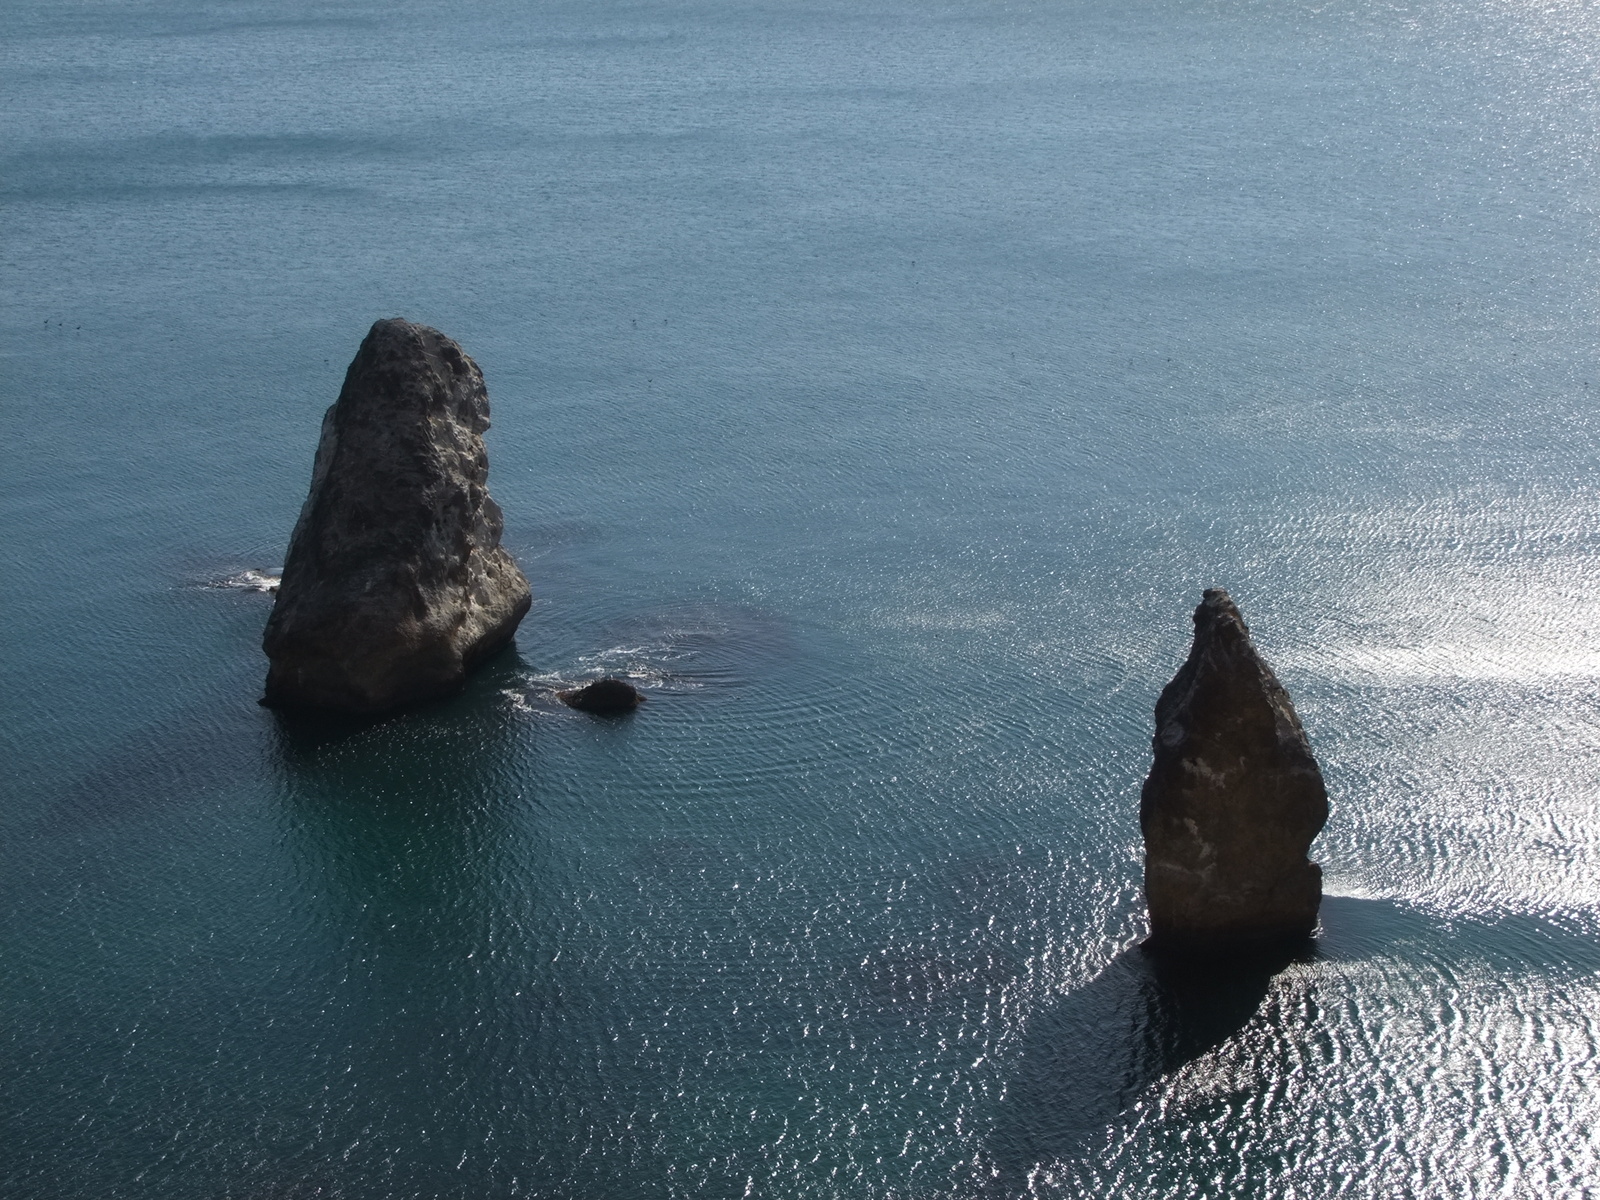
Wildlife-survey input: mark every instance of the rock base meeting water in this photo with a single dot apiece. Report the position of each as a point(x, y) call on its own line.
point(395, 584)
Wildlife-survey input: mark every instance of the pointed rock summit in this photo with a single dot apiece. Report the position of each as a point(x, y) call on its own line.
point(395, 585)
point(1232, 802)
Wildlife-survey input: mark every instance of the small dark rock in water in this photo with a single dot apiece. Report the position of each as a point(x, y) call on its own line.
point(395, 585)
point(1232, 802)
point(604, 697)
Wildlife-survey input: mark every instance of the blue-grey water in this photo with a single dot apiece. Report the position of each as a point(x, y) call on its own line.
point(878, 384)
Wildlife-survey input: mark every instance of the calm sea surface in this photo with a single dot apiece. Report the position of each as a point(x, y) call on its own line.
point(877, 384)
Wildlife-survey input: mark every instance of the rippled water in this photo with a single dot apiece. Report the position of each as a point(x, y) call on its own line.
point(878, 386)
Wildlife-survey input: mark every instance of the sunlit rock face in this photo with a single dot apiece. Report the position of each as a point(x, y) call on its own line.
point(395, 584)
point(1232, 802)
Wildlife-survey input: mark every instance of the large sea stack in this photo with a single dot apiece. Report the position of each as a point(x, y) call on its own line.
point(395, 584)
point(1232, 802)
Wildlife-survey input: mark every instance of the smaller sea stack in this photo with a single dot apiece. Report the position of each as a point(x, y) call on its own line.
point(1232, 802)
point(395, 585)
point(603, 698)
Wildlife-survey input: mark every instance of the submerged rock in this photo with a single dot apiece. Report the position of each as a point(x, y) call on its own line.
point(604, 697)
point(1233, 800)
point(395, 585)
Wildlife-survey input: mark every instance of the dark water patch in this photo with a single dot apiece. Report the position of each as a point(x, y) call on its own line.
point(213, 748)
point(113, 193)
point(311, 741)
point(196, 752)
point(392, 819)
point(178, 165)
point(403, 833)
point(1154, 1047)
point(177, 20)
point(1088, 1057)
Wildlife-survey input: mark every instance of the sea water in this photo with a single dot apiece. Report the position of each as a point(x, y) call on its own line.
point(877, 385)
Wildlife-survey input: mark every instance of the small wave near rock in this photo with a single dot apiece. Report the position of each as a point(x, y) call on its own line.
point(696, 649)
point(252, 580)
point(553, 690)
point(608, 697)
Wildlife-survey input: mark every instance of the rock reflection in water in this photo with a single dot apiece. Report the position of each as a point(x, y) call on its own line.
point(403, 829)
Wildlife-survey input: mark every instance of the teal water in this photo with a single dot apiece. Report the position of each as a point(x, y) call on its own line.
point(878, 385)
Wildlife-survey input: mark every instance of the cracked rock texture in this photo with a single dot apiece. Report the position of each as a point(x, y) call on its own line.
point(395, 584)
point(1232, 802)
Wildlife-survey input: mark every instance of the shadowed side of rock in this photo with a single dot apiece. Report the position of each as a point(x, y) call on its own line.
point(1233, 800)
point(395, 584)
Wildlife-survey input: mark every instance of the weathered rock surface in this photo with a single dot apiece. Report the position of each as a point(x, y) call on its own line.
point(395, 585)
point(1232, 802)
point(604, 697)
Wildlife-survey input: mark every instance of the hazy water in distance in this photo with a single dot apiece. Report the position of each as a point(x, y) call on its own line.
point(878, 385)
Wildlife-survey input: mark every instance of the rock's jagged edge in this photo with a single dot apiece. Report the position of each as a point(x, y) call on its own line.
point(1232, 803)
point(395, 584)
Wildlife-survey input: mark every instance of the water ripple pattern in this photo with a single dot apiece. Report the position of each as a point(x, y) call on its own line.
point(876, 388)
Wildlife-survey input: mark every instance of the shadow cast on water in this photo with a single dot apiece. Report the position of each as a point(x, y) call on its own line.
point(1093, 1054)
point(416, 872)
point(402, 819)
point(303, 734)
point(196, 754)
point(216, 748)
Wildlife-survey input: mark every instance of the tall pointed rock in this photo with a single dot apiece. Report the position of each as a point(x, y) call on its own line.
point(395, 584)
point(1233, 799)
